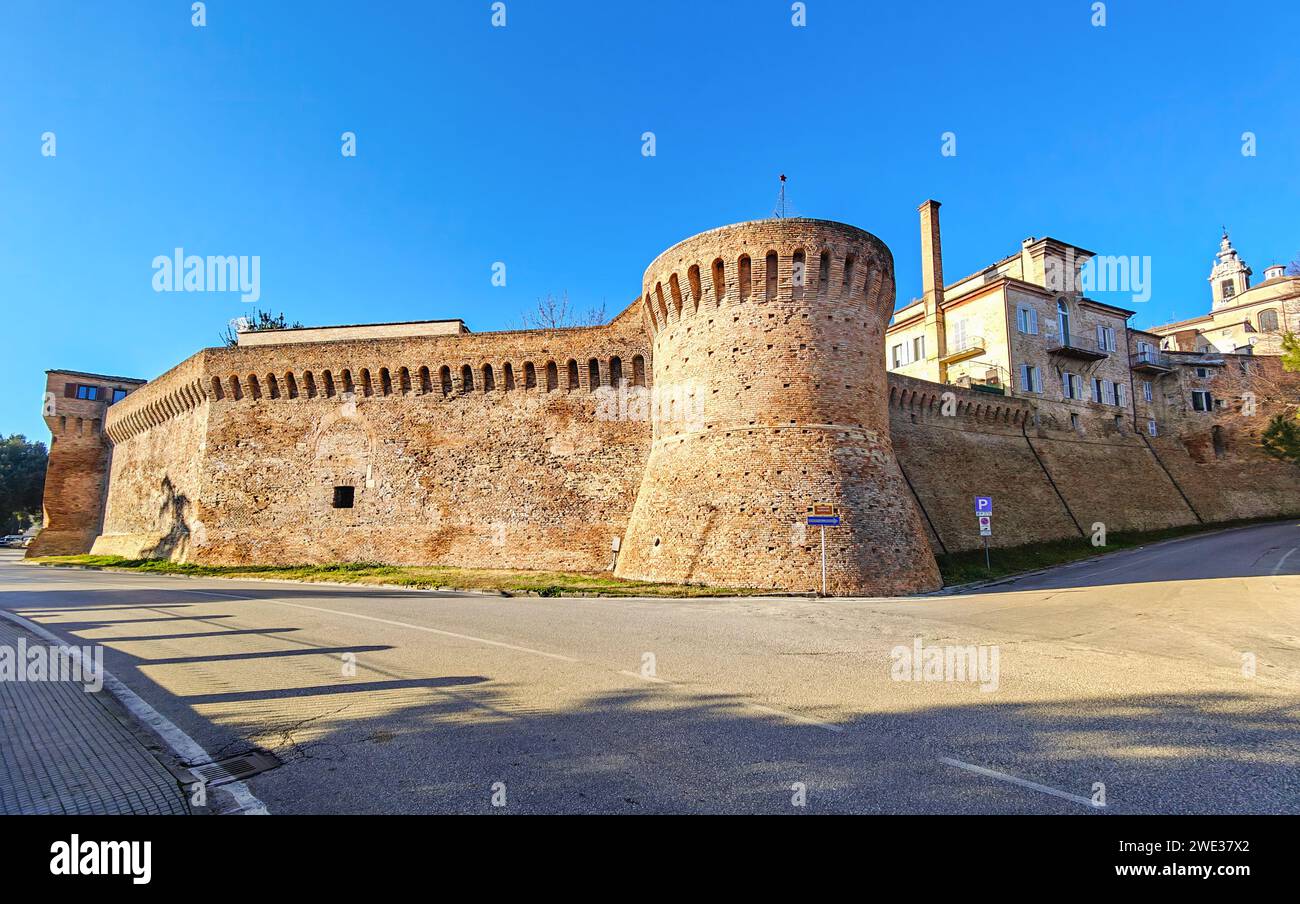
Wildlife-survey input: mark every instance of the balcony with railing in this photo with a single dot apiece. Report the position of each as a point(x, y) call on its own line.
point(1151, 361)
point(1083, 348)
point(963, 348)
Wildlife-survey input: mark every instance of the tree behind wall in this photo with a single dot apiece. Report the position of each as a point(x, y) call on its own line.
point(22, 483)
point(1281, 438)
point(557, 313)
point(257, 322)
point(1291, 352)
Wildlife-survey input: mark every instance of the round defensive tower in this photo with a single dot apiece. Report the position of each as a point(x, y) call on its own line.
point(769, 394)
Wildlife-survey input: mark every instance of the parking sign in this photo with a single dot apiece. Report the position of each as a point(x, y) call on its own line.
point(983, 505)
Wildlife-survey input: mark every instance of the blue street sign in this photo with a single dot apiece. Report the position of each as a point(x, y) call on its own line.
point(823, 521)
point(983, 505)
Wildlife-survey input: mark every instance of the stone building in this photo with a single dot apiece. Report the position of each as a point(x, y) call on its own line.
point(1243, 318)
point(75, 407)
point(684, 440)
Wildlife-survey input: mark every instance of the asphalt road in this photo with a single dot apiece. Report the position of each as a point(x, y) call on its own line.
point(1131, 671)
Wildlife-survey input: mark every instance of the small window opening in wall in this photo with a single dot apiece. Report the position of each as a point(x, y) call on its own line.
point(344, 497)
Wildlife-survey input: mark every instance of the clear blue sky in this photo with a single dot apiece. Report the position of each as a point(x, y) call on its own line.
point(478, 144)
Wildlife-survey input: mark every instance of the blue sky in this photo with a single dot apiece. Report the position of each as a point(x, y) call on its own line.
point(523, 145)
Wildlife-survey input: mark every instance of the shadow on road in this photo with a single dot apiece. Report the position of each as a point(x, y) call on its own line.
point(430, 742)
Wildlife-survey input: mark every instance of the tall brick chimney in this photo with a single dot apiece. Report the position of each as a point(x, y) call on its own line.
point(932, 285)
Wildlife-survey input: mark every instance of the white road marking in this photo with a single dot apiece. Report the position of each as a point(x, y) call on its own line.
point(1002, 776)
point(641, 677)
point(826, 726)
point(399, 624)
point(182, 745)
point(1282, 561)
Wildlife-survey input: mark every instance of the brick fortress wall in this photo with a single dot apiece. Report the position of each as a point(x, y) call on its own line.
point(536, 449)
point(1049, 482)
point(767, 339)
point(530, 460)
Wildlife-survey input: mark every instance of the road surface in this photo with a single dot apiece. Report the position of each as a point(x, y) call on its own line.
point(1168, 675)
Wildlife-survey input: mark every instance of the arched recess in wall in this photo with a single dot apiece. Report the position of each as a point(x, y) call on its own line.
point(675, 288)
point(310, 382)
point(290, 385)
point(444, 380)
point(693, 279)
point(426, 382)
point(367, 387)
point(236, 392)
point(509, 371)
point(254, 387)
point(572, 373)
point(404, 381)
point(466, 378)
point(846, 285)
point(593, 374)
point(530, 375)
point(719, 280)
point(638, 370)
point(272, 386)
point(824, 274)
point(489, 378)
point(770, 275)
point(615, 371)
point(385, 381)
point(348, 385)
point(217, 392)
point(552, 376)
point(328, 379)
point(746, 276)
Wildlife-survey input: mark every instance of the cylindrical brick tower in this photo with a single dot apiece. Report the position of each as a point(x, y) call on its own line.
point(769, 395)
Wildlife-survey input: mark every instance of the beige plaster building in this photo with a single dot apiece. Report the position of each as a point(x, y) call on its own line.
point(1021, 327)
point(1244, 318)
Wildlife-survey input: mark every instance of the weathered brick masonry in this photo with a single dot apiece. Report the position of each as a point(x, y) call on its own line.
point(770, 334)
point(747, 381)
point(235, 456)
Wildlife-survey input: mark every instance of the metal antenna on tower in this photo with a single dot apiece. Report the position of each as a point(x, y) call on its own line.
point(780, 211)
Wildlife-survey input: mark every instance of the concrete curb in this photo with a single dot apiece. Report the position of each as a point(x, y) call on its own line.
point(182, 746)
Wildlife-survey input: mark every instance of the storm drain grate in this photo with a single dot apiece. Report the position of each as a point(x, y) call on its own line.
point(234, 768)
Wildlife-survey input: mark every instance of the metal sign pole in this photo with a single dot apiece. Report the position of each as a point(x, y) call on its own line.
point(987, 566)
point(823, 560)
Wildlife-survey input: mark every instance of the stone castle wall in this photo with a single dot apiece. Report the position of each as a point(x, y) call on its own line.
point(1051, 483)
point(769, 333)
point(529, 461)
point(745, 383)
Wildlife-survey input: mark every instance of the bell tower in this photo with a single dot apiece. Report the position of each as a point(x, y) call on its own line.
point(1230, 276)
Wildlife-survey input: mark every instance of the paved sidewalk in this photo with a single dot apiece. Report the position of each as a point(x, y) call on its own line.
point(63, 750)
